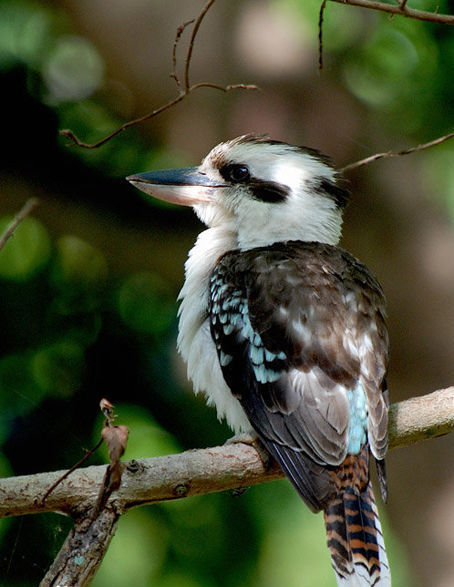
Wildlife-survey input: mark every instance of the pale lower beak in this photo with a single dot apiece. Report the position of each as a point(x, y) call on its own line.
point(185, 187)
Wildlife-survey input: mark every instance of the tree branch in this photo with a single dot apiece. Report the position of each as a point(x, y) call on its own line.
point(421, 418)
point(401, 10)
point(183, 90)
point(390, 154)
point(26, 209)
point(197, 472)
point(83, 550)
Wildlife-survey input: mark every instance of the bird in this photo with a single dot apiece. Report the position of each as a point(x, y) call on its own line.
point(285, 332)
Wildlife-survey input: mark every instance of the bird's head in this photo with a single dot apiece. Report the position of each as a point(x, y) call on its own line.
point(263, 191)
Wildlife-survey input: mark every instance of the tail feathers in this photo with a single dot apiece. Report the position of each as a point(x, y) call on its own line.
point(355, 539)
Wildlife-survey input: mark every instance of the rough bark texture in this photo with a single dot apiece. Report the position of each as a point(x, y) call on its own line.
point(193, 472)
point(201, 471)
point(420, 418)
point(82, 551)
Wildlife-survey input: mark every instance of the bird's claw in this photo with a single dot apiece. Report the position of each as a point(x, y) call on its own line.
point(253, 440)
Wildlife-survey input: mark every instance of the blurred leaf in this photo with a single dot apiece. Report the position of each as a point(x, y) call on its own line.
point(58, 368)
point(78, 274)
point(402, 575)
point(200, 529)
point(294, 548)
point(25, 30)
point(5, 467)
point(176, 579)
point(374, 78)
point(438, 176)
point(73, 70)
point(145, 304)
point(136, 552)
point(79, 262)
point(342, 28)
point(19, 392)
point(26, 252)
point(82, 328)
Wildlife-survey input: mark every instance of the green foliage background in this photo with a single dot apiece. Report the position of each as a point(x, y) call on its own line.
point(77, 326)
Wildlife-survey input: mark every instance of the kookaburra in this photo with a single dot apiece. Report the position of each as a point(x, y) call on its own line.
point(284, 331)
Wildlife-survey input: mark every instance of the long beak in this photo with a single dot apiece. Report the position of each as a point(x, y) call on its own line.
point(185, 187)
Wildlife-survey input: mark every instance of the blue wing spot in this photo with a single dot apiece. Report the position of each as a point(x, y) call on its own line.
point(265, 375)
point(257, 354)
point(232, 313)
point(357, 431)
point(223, 318)
point(224, 359)
point(269, 356)
point(228, 328)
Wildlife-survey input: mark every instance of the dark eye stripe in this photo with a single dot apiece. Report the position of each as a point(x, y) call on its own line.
point(269, 191)
point(324, 186)
point(265, 191)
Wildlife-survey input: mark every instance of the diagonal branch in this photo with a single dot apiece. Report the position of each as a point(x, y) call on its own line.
point(198, 472)
point(401, 9)
point(83, 551)
point(390, 154)
point(195, 30)
point(25, 211)
point(183, 91)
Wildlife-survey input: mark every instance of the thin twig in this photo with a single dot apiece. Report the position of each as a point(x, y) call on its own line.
point(180, 31)
point(320, 34)
point(26, 209)
point(76, 141)
point(183, 91)
point(71, 470)
point(195, 30)
point(390, 154)
point(321, 14)
point(401, 10)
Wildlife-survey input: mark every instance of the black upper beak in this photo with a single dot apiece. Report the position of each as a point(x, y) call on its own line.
point(186, 186)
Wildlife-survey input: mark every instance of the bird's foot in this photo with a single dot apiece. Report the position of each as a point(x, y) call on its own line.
point(244, 438)
point(253, 440)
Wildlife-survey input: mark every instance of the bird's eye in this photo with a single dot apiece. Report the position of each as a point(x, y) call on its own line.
point(235, 172)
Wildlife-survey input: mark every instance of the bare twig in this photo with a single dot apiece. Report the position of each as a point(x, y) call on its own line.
point(108, 410)
point(202, 471)
point(195, 30)
point(76, 141)
point(401, 10)
point(67, 473)
point(390, 154)
point(26, 209)
point(180, 31)
point(320, 34)
point(183, 91)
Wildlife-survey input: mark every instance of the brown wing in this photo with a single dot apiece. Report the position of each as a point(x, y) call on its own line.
point(299, 330)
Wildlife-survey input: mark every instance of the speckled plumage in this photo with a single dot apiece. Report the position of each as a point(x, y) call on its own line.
point(314, 316)
point(303, 328)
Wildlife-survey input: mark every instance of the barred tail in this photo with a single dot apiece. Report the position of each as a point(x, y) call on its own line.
point(355, 539)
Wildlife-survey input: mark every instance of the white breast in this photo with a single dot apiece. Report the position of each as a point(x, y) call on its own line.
point(194, 338)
